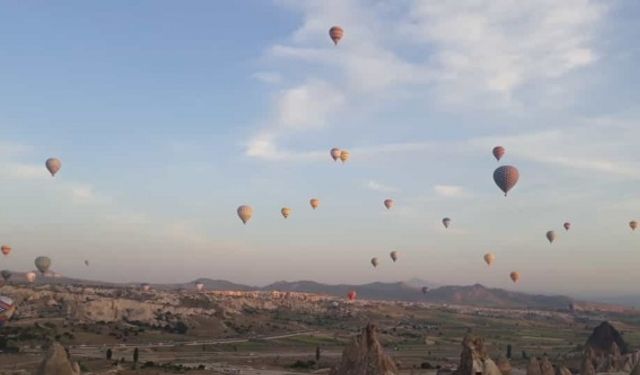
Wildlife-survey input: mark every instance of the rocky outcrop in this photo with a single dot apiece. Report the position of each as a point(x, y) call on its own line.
point(546, 368)
point(604, 339)
point(472, 356)
point(587, 368)
point(57, 362)
point(561, 370)
point(534, 367)
point(504, 365)
point(490, 368)
point(365, 356)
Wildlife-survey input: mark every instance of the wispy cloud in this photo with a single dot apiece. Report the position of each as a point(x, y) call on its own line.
point(379, 187)
point(268, 77)
point(450, 191)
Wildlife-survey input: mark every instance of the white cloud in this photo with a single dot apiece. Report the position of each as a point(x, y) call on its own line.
point(267, 77)
point(21, 171)
point(379, 187)
point(450, 191)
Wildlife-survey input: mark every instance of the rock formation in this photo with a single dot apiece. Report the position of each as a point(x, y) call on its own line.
point(561, 370)
point(534, 367)
point(586, 368)
point(57, 362)
point(365, 356)
point(472, 357)
point(490, 368)
point(546, 368)
point(504, 365)
point(603, 338)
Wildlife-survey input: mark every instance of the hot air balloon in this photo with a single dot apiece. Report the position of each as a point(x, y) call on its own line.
point(374, 262)
point(489, 258)
point(7, 308)
point(446, 221)
point(515, 276)
point(388, 203)
point(567, 225)
point(6, 249)
point(336, 33)
point(314, 202)
point(30, 276)
point(633, 224)
point(352, 295)
point(146, 287)
point(394, 256)
point(551, 235)
point(498, 152)
point(199, 286)
point(506, 177)
point(245, 213)
point(42, 264)
point(285, 212)
point(6, 275)
point(425, 290)
point(53, 165)
point(86, 263)
point(344, 156)
point(335, 154)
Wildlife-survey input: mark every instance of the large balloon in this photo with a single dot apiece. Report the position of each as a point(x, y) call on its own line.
point(53, 165)
point(336, 33)
point(506, 177)
point(446, 221)
point(551, 235)
point(498, 152)
point(633, 224)
point(245, 213)
point(344, 156)
point(7, 308)
point(515, 276)
point(394, 256)
point(567, 225)
point(388, 203)
point(335, 154)
point(425, 289)
point(6, 274)
point(199, 286)
point(30, 276)
point(314, 202)
point(285, 211)
point(489, 258)
point(374, 262)
point(6, 249)
point(42, 264)
point(352, 295)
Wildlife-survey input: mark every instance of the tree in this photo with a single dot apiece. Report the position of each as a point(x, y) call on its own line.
point(109, 354)
point(136, 354)
point(509, 351)
point(317, 354)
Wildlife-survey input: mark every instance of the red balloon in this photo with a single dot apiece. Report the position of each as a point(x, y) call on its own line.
point(506, 177)
point(336, 33)
point(498, 152)
point(352, 295)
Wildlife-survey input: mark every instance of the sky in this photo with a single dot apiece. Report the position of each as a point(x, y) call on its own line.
point(169, 115)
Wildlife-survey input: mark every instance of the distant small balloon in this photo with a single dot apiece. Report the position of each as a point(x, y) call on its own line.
point(352, 295)
point(446, 221)
point(374, 262)
point(425, 290)
point(489, 258)
point(7, 308)
point(394, 256)
point(314, 202)
point(146, 287)
point(42, 264)
point(6, 275)
point(388, 203)
point(86, 263)
point(30, 276)
point(567, 225)
point(6, 249)
point(515, 276)
point(336, 33)
point(199, 286)
point(498, 152)
point(551, 235)
point(285, 212)
point(633, 224)
point(53, 165)
point(344, 156)
point(245, 213)
point(335, 154)
point(506, 177)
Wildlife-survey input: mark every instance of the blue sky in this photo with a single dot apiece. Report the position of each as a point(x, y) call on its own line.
point(168, 115)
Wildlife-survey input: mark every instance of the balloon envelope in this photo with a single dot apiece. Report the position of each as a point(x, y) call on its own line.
point(335, 154)
point(146, 287)
point(42, 264)
point(394, 255)
point(374, 262)
point(567, 225)
point(388, 203)
point(30, 276)
point(285, 212)
point(515, 276)
point(314, 202)
point(633, 224)
point(506, 177)
point(498, 152)
point(344, 156)
point(336, 33)
point(6, 274)
point(6, 249)
point(352, 295)
point(245, 213)
point(446, 221)
point(551, 235)
point(489, 258)
point(7, 308)
point(86, 263)
point(53, 165)
point(199, 286)
point(425, 290)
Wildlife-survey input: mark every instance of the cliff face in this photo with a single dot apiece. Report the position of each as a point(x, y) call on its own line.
point(365, 356)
